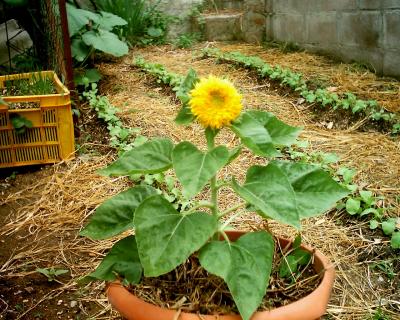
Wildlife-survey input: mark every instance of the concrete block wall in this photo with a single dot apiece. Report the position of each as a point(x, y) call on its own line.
point(367, 31)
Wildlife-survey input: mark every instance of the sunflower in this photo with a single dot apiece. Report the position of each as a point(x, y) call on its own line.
point(215, 102)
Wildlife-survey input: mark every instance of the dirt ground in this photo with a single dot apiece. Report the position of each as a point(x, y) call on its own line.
point(42, 209)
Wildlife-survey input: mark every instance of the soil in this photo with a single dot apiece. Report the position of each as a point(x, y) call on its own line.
point(192, 289)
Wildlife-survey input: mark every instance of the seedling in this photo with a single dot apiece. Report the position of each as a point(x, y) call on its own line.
point(51, 273)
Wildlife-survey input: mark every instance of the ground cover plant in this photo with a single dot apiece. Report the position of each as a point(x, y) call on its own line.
point(43, 210)
point(295, 81)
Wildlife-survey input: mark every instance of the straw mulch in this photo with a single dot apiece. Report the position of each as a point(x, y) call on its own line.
point(57, 206)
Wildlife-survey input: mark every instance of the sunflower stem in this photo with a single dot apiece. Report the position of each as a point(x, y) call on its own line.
point(210, 135)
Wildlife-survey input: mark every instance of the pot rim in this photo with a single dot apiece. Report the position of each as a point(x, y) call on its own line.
point(314, 303)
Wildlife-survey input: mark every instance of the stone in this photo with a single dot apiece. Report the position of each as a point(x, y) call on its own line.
point(253, 27)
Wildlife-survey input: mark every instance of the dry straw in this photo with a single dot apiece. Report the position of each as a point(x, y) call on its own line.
point(55, 208)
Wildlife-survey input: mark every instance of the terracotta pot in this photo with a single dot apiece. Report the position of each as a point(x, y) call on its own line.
point(310, 307)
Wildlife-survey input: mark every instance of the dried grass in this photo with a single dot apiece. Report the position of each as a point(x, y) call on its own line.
point(54, 209)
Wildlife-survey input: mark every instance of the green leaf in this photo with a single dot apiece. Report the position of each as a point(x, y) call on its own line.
point(297, 241)
point(303, 257)
point(195, 168)
point(389, 226)
point(245, 265)
point(151, 157)
point(367, 197)
point(108, 21)
point(16, 3)
point(373, 224)
point(154, 32)
point(166, 238)
point(316, 191)
point(79, 49)
point(262, 132)
point(86, 77)
point(78, 18)
point(122, 260)
point(115, 215)
point(353, 206)
point(395, 241)
point(270, 191)
point(288, 266)
point(185, 116)
point(105, 41)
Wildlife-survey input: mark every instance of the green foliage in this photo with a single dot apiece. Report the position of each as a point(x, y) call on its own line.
point(166, 234)
point(123, 260)
point(20, 123)
point(252, 254)
point(51, 273)
point(187, 40)
point(120, 135)
point(295, 81)
point(91, 31)
point(145, 23)
point(86, 76)
point(36, 84)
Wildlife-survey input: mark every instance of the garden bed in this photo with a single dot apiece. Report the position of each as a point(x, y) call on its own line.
point(43, 211)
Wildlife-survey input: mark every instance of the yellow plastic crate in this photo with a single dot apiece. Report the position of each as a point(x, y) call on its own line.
point(51, 138)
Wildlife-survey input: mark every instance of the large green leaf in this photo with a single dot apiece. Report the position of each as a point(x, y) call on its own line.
point(195, 168)
point(122, 260)
point(108, 21)
point(316, 191)
point(288, 192)
point(166, 238)
point(116, 214)
point(245, 265)
point(79, 49)
point(153, 156)
point(105, 41)
point(262, 132)
point(78, 18)
point(270, 191)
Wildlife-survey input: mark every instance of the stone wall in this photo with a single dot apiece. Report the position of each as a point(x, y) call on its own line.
point(354, 30)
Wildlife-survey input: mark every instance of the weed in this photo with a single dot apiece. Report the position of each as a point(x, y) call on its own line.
point(51, 273)
point(187, 40)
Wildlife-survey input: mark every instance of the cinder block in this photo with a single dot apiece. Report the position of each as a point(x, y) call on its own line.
point(370, 4)
point(289, 27)
point(392, 30)
point(254, 5)
point(391, 65)
point(290, 6)
point(364, 29)
point(321, 28)
point(327, 5)
point(223, 27)
point(391, 4)
point(253, 27)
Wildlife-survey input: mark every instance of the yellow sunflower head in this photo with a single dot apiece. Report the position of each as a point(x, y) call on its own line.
point(215, 102)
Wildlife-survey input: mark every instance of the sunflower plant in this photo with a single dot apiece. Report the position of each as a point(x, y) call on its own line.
point(165, 237)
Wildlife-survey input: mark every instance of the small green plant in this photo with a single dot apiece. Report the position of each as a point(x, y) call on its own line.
point(51, 273)
point(390, 227)
point(145, 23)
point(20, 123)
point(187, 40)
point(36, 84)
point(380, 315)
point(121, 136)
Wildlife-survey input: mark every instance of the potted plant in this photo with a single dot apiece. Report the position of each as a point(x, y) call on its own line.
point(166, 236)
